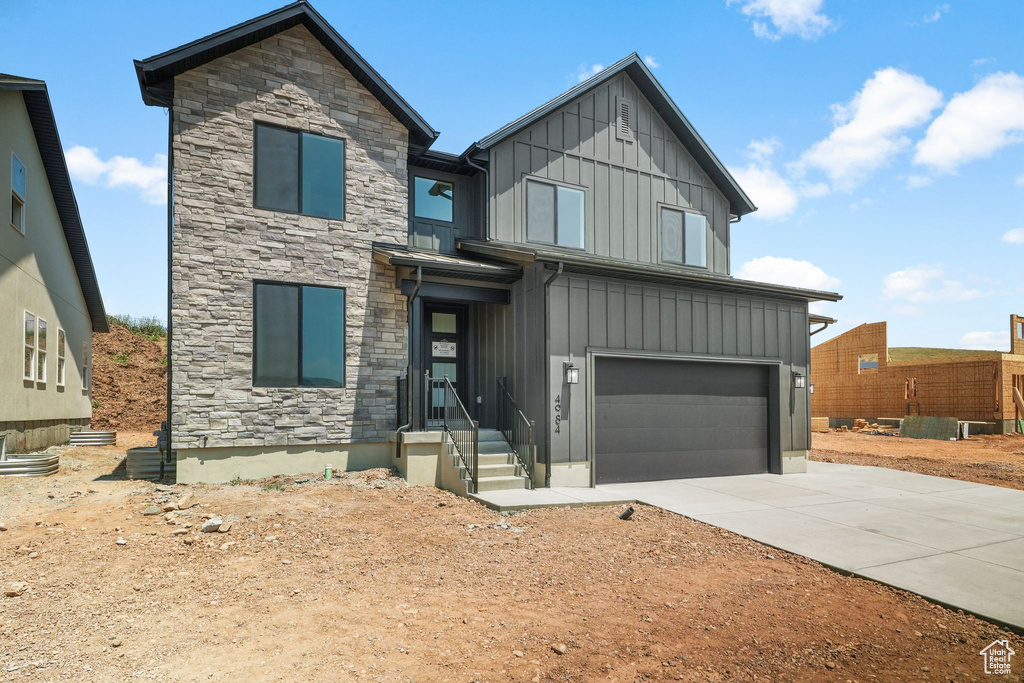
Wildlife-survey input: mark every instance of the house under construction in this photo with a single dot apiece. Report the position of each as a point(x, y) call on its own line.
point(857, 375)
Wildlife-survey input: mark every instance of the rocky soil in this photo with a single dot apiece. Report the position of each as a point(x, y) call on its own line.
point(365, 578)
point(995, 460)
point(129, 381)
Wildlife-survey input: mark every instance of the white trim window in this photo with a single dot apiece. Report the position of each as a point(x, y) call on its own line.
point(85, 367)
point(61, 352)
point(41, 351)
point(18, 184)
point(28, 371)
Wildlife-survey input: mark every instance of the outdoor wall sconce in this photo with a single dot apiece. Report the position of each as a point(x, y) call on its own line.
point(811, 389)
point(799, 381)
point(571, 372)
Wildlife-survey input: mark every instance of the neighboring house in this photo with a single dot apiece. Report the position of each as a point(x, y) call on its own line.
point(857, 375)
point(568, 273)
point(49, 298)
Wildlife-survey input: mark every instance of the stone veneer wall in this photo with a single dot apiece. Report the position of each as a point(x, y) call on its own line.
point(222, 244)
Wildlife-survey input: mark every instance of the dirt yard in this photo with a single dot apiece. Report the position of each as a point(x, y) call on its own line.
point(996, 460)
point(365, 578)
point(129, 381)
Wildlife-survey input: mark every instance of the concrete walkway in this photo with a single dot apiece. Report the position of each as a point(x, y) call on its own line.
point(954, 542)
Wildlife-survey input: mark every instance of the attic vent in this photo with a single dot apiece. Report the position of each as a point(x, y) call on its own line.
point(624, 119)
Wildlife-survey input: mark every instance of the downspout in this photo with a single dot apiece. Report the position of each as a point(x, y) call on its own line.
point(547, 377)
point(487, 192)
point(820, 329)
point(408, 371)
point(170, 276)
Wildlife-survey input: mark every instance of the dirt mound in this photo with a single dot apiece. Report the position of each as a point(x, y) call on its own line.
point(129, 381)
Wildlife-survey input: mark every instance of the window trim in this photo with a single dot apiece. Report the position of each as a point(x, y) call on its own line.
point(15, 195)
point(867, 359)
point(62, 364)
point(41, 354)
point(35, 345)
point(344, 335)
point(658, 207)
point(86, 374)
point(527, 179)
point(300, 132)
point(415, 216)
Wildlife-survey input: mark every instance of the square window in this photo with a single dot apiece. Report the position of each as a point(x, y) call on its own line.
point(299, 172)
point(433, 199)
point(684, 237)
point(299, 336)
point(867, 361)
point(555, 214)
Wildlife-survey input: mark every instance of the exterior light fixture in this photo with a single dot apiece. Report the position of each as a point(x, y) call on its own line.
point(799, 381)
point(571, 372)
point(811, 389)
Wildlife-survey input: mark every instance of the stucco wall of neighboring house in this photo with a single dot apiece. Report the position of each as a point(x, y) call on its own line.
point(37, 275)
point(222, 244)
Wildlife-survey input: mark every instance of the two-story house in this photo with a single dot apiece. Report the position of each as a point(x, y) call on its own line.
point(50, 301)
point(554, 304)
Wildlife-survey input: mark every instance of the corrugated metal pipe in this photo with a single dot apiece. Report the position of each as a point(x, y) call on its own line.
point(408, 371)
point(547, 376)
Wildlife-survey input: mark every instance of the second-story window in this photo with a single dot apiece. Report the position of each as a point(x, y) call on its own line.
point(18, 183)
point(433, 199)
point(555, 214)
point(684, 238)
point(299, 172)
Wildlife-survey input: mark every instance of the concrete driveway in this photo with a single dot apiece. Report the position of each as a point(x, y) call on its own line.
point(954, 542)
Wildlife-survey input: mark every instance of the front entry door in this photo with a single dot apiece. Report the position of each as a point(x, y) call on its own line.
point(446, 354)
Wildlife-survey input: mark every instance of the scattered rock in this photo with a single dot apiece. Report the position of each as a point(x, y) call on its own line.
point(121, 541)
point(560, 648)
point(286, 561)
point(211, 525)
point(15, 588)
point(186, 501)
point(179, 532)
point(517, 653)
point(3, 527)
point(33, 555)
point(115, 642)
point(169, 507)
point(151, 510)
point(225, 527)
point(225, 546)
point(830, 665)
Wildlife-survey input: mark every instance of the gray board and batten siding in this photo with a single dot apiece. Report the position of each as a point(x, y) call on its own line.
point(591, 316)
point(467, 211)
point(625, 181)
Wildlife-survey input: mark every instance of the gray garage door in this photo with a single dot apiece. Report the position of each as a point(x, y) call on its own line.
point(662, 419)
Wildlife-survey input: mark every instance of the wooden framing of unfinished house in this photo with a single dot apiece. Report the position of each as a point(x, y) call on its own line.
point(856, 375)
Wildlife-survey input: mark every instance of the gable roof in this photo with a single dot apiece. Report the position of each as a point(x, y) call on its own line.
point(44, 127)
point(156, 74)
point(645, 81)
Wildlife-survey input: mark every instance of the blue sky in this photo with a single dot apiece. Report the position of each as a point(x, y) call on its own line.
point(882, 141)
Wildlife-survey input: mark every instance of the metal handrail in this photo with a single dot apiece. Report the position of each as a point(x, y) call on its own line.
point(516, 428)
point(463, 430)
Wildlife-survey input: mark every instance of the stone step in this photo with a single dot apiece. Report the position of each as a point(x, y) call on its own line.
point(494, 459)
point(497, 470)
point(501, 483)
point(490, 435)
point(494, 447)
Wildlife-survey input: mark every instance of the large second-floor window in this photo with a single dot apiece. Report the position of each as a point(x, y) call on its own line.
point(18, 183)
point(298, 336)
point(555, 214)
point(299, 172)
point(432, 199)
point(684, 238)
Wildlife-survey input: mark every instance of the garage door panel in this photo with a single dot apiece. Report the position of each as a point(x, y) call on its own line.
point(665, 419)
point(704, 439)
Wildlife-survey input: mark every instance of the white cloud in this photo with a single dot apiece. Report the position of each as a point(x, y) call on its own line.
point(982, 60)
point(584, 72)
point(936, 14)
point(975, 124)
point(150, 179)
point(869, 130)
point(985, 341)
point(1019, 181)
point(772, 194)
point(773, 19)
point(651, 61)
point(917, 181)
point(792, 272)
point(925, 284)
point(1015, 236)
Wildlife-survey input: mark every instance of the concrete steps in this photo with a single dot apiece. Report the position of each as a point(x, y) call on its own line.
point(497, 469)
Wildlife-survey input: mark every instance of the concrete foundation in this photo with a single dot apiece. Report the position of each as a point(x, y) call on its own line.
point(38, 435)
point(218, 465)
point(794, 462)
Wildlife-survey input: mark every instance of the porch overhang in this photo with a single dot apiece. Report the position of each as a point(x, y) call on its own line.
point(589, 264)
point(435, 264)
